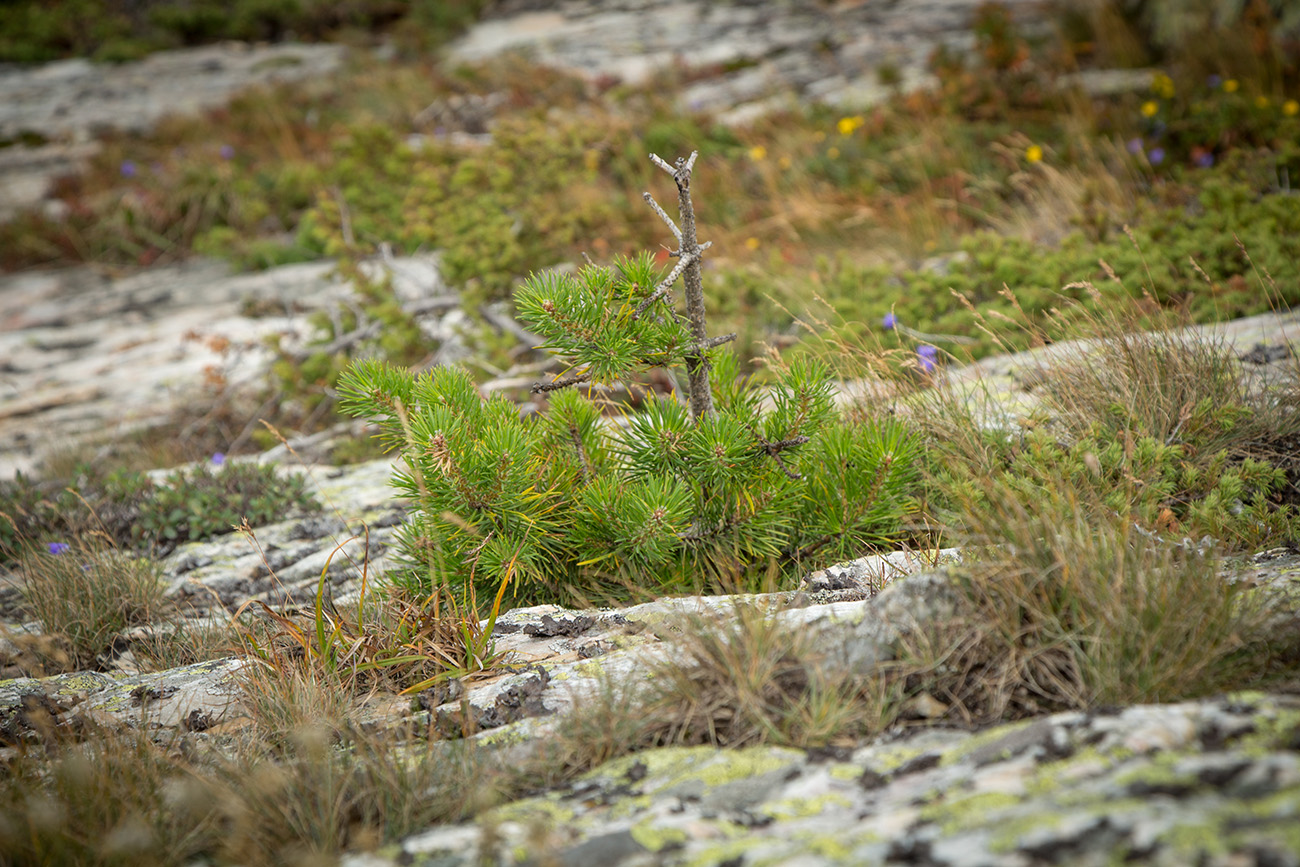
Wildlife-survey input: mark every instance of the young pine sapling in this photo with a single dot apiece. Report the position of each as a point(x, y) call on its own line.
point(572, 505)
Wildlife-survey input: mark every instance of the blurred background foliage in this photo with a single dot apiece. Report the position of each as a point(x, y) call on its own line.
point(1004, 181)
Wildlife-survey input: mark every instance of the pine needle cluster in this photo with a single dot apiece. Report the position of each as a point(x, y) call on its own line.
point(690, 491)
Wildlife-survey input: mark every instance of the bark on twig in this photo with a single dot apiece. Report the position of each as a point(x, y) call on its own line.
point(667, 283)
point(556, 385)
point(677, 233)
point(697, 363)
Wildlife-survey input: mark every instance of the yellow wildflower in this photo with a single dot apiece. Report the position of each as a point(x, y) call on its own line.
point(1149, 108)
point(1034, 154)
point(751, 243)
point(784, 162)
point(849, 125)
point(758, 153)
point(1231, 85)
point(1291, 108)
point(1162, 85)
point(1261, 101)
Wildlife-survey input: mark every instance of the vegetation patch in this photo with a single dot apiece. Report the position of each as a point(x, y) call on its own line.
point(133, 511)
point(85, 594)
point(1092, 527)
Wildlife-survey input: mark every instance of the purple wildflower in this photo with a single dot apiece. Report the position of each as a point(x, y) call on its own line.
point(218, 458)
point(1157, 156)
point(57, 548)
point(1213, 81)
point(1135, 145)
point(1205, 159)
point(128, 169)
point(227, 152)
point(926, 354)
point(890, 321)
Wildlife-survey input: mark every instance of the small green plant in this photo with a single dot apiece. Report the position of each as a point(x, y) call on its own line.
point(697, 488)
point(202, 502)
point(86, 593)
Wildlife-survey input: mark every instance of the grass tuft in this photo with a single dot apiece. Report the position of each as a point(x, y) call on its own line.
point(86, 594)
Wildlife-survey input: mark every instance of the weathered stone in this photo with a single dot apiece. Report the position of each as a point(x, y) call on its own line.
point(87, 356)
point(63, 105)
point(769, 805)
point(759, 56)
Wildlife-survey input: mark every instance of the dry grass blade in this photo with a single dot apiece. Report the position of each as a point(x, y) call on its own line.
point(751, 679)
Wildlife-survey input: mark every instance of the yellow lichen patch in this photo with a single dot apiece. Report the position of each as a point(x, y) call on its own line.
point(1009, 833)
point(802, 808)
point(654, 838)
point(1272, 725)
point(846, 772)
point(884, 760)
point(543, 810)
point(982, 739)
point(1247, 815)
point(836, 847)
point(1049, 776)
point(722, 853)
point(966, 811)
point(709, 765)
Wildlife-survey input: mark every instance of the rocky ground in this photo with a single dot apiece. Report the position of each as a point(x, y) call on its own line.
point(1215, 781)
point(51, 114)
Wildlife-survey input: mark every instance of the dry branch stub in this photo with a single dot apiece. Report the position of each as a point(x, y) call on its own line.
point(690, 252)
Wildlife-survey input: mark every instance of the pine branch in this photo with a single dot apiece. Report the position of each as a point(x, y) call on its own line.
point(677, 233)
point(557, 384)
point(711, 343)
point(697, 363)
point(667, 283)
point(582, 453)
point(774, 449)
